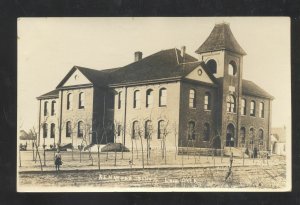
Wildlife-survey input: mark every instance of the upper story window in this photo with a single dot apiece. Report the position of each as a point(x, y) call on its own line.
point(161, 129)
point(53, 103)
point(243, 107)
point(163, 97)
point(52, 133)
point(191, 131)
point(81, 100)
point(69, 101)
point(136, 99)
point(149, 98)
point(45, 108)
point(45, 130)
point(243, 135)
point(261, 110)
point(232, 68)
point(135, 130)
point(148, 129)
point(212, 66)
point(231, 104)
point(207, 101)
point(192, 98)
point(252, 108)
point(80, 129)
point(68, 129)
point(206, 132)
point(119, 100)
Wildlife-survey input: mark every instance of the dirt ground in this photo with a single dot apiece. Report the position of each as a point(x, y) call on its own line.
point(208, 172)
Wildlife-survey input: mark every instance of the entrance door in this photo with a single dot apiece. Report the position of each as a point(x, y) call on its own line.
point(230, 136)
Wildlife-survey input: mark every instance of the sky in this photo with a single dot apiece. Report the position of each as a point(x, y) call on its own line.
point(49, 47)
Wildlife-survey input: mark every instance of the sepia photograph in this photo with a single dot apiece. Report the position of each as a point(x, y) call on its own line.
point(154, 104)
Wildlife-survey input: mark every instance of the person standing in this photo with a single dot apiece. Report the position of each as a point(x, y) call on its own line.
point(57, 160)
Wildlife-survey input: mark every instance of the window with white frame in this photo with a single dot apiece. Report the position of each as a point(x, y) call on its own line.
point(80, 129)
point(252, 108)
point(192, 98)
point(261, 110)
point(243, 107)
point(162, 97)
point(161, 129)
point(231, 104)
point(207, 101)
point(149, 98)
point(81, 100)
point(136, 99)
point(45, 108)
point(69, 101)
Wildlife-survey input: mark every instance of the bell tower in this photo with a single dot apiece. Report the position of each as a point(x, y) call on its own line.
point(223, 57)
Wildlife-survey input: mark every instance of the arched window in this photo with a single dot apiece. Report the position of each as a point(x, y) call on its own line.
point(191, 130)
point(135, 129)
point(163, 97)
point(251, 135)
point(68, 129)
point(192, 98)
point(230, 103)
point(52, 134)
point(80, 129)
point(207, 101)
point(149, 98)
point(161, 129)
point(243, 135)
point(136, 99)
point(243, 107)
point(119, 100)
point(261, 136)
point(232, 68)
point(230, 135)
point(206, 132)
point(53, 103)
point(81, 100)
point(261, 110)
point(69, 101)
point(45, 130)
point(252, 108)
point(148, 129)
point(45, 108)
point(212, 66)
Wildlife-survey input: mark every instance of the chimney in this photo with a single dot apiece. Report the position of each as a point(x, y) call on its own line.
point(138, 56)
point(183, 48)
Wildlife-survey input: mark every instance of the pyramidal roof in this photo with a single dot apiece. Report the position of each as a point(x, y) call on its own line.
point(221, 38)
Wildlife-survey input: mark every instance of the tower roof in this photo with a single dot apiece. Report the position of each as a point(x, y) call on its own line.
point(221, 38)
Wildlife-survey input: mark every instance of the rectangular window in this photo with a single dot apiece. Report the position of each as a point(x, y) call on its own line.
point(119, 100)
point(119, 130)
point(243, 107)
point(252, 108)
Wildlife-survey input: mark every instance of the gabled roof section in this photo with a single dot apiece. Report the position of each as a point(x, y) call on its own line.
point(96, 77)
point(163, 64)
point(221, 38)
point(250, 88)
point(49, 95)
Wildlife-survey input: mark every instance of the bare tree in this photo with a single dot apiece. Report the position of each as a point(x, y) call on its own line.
point(175, 131)
point(34, 133)
point(86, 137)
point(165, 131)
